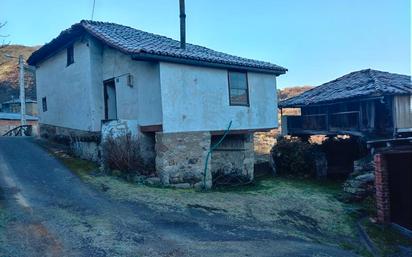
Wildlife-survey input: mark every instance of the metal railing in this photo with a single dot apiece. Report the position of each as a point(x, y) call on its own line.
point(24, 130)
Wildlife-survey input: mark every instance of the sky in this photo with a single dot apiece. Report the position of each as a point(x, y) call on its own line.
point(316, 40)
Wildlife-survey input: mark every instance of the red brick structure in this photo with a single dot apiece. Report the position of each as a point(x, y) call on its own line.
point(9, 121)
point(382, 189)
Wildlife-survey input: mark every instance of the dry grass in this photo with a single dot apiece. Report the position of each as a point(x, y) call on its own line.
point(305, 209)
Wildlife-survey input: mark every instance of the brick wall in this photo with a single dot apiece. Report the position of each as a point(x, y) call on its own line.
point(6, 125)
point(382, 189)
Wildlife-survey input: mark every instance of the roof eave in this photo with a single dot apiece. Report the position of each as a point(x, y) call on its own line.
point(63, 40)
point(154, 57)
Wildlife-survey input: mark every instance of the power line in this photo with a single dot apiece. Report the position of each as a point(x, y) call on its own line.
point(94, 3)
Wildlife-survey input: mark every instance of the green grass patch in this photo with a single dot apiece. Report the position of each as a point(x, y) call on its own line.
point(80, 167)
point(356, 248)
point(386, 238)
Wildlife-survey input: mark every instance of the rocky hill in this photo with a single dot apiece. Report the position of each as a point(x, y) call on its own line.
point(292, 91)
point(9, 73)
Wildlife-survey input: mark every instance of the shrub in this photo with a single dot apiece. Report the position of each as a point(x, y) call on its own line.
point(294, 157)
point(122, 153)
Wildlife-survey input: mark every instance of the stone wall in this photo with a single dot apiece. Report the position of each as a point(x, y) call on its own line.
point(146, 141)
point(180, 158)
point(264, 141)
point(84, 144)
point(235, 156)
point(65, 135)
point(86, 150)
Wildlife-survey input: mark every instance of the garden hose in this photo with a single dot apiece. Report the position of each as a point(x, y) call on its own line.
point(211, 149)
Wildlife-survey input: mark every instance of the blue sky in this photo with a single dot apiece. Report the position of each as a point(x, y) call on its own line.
point(317, 40)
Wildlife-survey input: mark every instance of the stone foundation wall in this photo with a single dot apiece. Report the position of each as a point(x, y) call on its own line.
point(86, 150)
point(84, 144)
point(65, 135)
point(235, 155)
point(180, 158)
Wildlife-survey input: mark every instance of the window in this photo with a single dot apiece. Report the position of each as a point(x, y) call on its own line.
point(238, 88)
point(70, 55)
point(44, 104)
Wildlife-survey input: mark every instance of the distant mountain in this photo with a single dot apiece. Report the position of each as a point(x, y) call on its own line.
point(289, 92)
point(9, 73)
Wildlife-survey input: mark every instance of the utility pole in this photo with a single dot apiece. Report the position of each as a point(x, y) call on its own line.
point(22, 93)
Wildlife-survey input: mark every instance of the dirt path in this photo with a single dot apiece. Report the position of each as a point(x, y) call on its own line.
point(45, 210)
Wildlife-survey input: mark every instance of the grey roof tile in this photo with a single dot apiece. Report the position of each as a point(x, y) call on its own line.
point(133, 41)
point(363, 83)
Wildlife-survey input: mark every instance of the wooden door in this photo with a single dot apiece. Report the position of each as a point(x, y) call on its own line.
point(110, 103)
point(399, 167)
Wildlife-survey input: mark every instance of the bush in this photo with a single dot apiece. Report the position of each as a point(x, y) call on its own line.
point(294, 157)
point(122, 153)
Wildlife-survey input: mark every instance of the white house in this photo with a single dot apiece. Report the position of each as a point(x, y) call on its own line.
point(180, 98)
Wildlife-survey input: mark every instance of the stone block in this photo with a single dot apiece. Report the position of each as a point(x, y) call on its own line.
point(154, 181)
point(182, 185)
point(180, 157)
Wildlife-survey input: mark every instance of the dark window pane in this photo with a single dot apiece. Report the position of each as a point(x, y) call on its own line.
point(70, 55)
point(237, 80)
point(44, 103)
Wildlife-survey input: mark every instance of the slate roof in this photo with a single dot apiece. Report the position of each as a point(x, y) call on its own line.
point(358, 84)
point(15, 116)
point(143, 44)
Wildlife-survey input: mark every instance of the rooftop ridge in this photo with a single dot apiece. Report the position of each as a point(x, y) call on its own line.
point(135, 41)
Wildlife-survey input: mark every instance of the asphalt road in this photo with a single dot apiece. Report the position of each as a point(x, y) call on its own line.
point(45, 210)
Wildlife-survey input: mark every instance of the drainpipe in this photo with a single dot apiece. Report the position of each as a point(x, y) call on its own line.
point(209, 153)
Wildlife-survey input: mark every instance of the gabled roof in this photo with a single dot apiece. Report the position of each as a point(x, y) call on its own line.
point(358, 84)
point(142, 44)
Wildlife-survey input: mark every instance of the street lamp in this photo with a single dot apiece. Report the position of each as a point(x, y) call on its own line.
point(21, 85)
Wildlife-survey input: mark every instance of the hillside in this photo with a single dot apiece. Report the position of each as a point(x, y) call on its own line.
point(292, 91)
point(9, 73)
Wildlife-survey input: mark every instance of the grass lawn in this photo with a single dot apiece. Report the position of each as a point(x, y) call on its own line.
point(300, 208)
point(386, 239)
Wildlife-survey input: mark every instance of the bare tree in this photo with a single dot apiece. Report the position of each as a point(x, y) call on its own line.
point(3, 43)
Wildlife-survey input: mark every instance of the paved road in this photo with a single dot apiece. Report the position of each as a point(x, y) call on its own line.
point(45, 210)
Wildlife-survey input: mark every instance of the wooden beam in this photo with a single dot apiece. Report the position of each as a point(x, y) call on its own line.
point(151, 128)
point(240, 131)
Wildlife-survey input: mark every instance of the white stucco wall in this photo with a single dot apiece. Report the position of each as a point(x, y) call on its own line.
point(75, 97)
point(180, 97)
point(67, 89)
point(142, 101)
point(197, 99)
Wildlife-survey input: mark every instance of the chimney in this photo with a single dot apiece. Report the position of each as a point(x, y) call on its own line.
point(182, 24)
